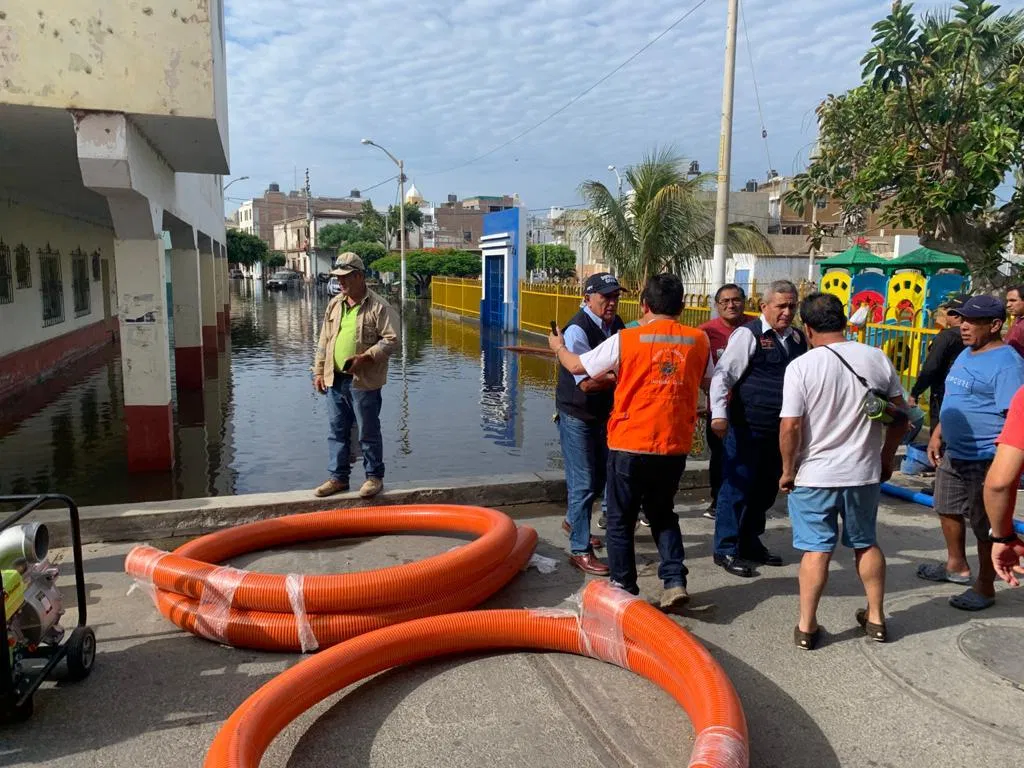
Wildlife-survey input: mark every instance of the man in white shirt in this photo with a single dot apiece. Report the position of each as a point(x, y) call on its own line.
point(843, 416)
point(746, 395)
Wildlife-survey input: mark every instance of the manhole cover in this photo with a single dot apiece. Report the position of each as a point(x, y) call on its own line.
point(997, 649)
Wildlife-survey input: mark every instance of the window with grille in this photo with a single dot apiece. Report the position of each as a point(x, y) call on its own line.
point(6, 282)
point(23, 266)
point(80, 283)
point(51, 286)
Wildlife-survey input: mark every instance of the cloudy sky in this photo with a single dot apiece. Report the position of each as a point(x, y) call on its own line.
point(442, 82)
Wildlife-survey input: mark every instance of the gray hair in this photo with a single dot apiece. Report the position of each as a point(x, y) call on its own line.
point(779, 286)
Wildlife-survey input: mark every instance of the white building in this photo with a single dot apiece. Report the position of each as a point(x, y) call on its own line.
point(102, 156)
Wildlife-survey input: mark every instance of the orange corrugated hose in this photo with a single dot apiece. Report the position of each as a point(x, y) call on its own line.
point(255, 610)
point(612, 626)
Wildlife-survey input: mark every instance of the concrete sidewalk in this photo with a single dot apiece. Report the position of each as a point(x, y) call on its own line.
point(946, 692)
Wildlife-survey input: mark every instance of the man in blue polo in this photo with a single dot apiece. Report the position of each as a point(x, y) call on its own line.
point(746, 398)
point(584, 405)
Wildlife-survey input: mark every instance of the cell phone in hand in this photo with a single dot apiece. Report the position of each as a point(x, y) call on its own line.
point(554, 328)
point(347, 365)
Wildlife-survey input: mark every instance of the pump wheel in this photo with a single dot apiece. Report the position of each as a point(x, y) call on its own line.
point(81, 653)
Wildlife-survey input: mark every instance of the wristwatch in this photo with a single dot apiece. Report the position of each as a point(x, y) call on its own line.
point(1001, 539)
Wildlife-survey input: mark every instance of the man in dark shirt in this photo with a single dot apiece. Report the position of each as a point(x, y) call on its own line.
point(944, 350)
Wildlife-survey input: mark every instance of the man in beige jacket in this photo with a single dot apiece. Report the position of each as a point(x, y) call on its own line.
point(359, 333)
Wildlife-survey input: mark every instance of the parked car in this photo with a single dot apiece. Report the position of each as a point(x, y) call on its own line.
point(236, 274)
point(282, 280)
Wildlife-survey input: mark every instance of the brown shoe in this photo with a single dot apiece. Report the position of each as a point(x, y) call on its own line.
point(331, 487)
point(371, 488)
point(588, 564)
point(595, 542)
point(674, 597)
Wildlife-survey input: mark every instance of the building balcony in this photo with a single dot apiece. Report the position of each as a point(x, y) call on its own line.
point(161, 64)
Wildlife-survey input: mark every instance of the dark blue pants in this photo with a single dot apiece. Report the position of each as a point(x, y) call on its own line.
point(753, 466)
point(640, 480)
point(717, 451)
point(585, 454)
point(346, 406)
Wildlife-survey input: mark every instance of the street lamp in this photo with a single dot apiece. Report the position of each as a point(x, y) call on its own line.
point(240, 178)
point(401, 209)
point(618, 178)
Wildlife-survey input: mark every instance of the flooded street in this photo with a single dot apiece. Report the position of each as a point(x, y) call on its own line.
point(455, 405)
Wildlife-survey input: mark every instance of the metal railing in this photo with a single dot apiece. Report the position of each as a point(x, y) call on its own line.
point(906, 347)
point(461, 295)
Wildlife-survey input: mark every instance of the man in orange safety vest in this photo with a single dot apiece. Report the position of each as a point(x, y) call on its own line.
point(660, 366)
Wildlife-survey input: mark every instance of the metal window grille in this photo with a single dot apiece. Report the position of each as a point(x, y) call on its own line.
point(23, 265)
point(80, 287)
point(6, 283)
point(51, 286)
point(97, 273)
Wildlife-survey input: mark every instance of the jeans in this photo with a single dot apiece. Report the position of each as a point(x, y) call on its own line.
point(585, 454)
point(753, 466)
point(346, 406)
point(715, 470)
point(635, 480)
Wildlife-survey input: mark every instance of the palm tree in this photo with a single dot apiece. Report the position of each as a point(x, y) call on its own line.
point(663, 225)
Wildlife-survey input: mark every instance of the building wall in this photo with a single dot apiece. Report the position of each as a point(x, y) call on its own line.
point(30, 350)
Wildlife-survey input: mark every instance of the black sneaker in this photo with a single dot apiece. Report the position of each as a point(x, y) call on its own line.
point(644, 521)
point(602, 522)
point(709, 513)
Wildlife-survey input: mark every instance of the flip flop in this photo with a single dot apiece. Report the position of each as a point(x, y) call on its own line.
point(806, 641)
point(876, 632)
point(972, 601)
point(938, 572)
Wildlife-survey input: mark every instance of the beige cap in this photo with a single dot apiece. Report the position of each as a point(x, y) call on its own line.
point(347, 263)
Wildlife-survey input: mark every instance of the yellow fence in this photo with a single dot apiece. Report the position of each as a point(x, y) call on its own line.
point(460, 295)
point(905, 346)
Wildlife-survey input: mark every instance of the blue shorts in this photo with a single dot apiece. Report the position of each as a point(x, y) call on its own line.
point(815, 512)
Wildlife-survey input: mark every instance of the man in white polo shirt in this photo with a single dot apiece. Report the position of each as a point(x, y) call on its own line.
point(843, 416)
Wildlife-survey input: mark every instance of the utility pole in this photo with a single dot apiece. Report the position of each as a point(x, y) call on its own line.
point(401, 224)
point(309, 229)
point(725, 153)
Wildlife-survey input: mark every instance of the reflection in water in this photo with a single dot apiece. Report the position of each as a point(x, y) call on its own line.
point(454, 405)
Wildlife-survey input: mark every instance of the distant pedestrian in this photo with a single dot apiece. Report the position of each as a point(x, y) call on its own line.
point(746, 397)
point(1001, 486)
point(660, 366)
point(945, 348)
point(836, 449)
point(1015, 307)
point(979, 388)
point(358, 335)
point(729, 302)
point(584, 405)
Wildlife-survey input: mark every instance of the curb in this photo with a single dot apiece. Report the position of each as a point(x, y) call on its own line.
point(148, 521)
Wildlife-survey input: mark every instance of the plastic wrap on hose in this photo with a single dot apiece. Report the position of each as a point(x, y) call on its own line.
point(652, 645)
point(149, 558)
point(277, 612)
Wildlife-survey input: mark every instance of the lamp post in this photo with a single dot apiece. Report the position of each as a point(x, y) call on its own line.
point(401, 210)
point(240, 178)
point(618, 178)
point(725, 153)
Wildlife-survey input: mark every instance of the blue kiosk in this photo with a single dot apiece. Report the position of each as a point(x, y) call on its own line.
point(504, 264)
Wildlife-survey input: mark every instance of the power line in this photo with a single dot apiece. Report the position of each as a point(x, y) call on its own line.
point(757, 93)
point(378, 184)
point(575, 98)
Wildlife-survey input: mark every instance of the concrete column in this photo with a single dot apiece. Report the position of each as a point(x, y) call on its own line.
point(188, 319)
point(208, 287)
point(227, 291)
point(218, 276)
point(145, 354)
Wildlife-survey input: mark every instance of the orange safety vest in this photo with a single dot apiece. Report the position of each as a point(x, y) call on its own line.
point(661, 366)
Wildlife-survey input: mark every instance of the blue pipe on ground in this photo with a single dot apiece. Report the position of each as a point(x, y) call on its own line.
point(923, 498)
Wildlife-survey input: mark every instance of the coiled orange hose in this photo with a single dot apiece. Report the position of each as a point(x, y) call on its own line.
point(611, 626)
point(259, 610)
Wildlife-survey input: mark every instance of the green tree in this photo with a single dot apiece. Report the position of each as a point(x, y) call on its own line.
point(557, 261)
point(422, 266)
point(372, 222)
point(367, 251)
point(933, 131)
point(277, 260)
point(333, 235)
point(246, 249)
point(413, 219)
point(665, 225)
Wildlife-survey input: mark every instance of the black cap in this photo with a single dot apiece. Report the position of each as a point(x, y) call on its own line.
point(981, 308)
point(603, 283)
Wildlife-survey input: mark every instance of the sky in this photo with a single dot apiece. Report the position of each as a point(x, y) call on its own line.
point(442, 82)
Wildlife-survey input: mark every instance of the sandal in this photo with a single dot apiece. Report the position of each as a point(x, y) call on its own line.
point(876, 632)
point(938, 572)
point(972, 601)
point(806, 641)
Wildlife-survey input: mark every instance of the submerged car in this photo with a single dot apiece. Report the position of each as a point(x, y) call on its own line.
point(282, 280)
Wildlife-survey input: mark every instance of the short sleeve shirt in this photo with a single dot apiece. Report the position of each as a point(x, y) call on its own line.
point(1013, 430)
point(979, 389)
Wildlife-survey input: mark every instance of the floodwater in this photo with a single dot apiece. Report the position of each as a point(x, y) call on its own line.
point(455, 405)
